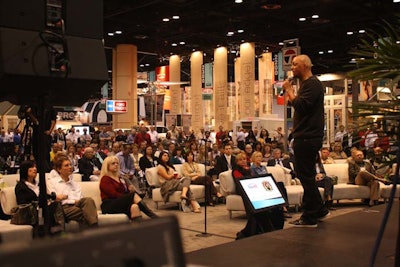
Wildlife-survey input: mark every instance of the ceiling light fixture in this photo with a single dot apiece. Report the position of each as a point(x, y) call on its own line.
point(165, 19)
point(175, 17)
point(238, 1)
point(315, 16)
point(302, 19)
point(330, 51)
point(240, 31)
point(182, 43)
point(361, 31)
point(349, 33)
point(174, 44)
point(118, 32)
point(110, 34)
point(321, 52)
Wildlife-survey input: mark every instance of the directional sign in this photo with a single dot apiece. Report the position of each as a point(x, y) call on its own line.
point(288, 54)
point(117, 106)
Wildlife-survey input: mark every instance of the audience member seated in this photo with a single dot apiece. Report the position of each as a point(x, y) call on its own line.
point(116, 147)
point(142, 135)
point(117, 195)
point(191, 170)
point(325, 158)
point(89, 166)
point(27, 191)
point(73, 157)
point(338, 152)
point(382, 163)
point(127, 168)
point(226, 161)
point(171, 181)
point(361, 172)
point(324, 182)
point(259, 170)
point(136, 155)
point(248, 150)
point(75, 206)
point(278, 160)
point(257, 223)
point(177, 156)
point(267, 152)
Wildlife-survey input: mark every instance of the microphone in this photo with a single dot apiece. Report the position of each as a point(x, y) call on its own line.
point(292, 81)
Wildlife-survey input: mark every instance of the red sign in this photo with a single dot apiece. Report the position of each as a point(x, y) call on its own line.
point(120, 106)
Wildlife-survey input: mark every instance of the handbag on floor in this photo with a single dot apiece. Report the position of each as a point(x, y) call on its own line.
point(25, 214)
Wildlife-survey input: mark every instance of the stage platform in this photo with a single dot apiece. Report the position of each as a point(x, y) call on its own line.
point(345, 240)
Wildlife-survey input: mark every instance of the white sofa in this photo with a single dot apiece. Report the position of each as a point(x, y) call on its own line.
point(23, 232)
point(152, 179)
point(234, 202)
point(348, 191)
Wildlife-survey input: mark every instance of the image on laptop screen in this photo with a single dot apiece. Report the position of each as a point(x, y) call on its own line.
point(262, 193)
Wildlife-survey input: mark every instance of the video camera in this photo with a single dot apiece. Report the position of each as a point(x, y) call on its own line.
point(23, 112)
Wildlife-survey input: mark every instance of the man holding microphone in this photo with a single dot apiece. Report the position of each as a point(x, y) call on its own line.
point(308, 132)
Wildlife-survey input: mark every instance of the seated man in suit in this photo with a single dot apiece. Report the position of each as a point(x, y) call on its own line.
point(89, 166)
point(226, 161)
point(281, 161)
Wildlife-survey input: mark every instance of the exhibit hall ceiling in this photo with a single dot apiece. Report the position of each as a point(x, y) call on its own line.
point(326, 29)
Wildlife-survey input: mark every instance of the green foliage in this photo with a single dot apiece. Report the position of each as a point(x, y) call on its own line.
point(378, 58)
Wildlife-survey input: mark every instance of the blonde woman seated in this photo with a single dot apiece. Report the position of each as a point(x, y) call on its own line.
point(117, 194)
point(338, 152)
point(191, 170)
point(171, 181)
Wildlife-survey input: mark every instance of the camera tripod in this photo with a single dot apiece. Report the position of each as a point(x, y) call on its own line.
point(26, 138)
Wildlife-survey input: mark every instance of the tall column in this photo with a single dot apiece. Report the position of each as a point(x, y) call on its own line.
point(266, 80)
point(125, 84)
point(247, 79)
point(221, 87)
point(175, 90)
point(237, 88)
point(196, 61)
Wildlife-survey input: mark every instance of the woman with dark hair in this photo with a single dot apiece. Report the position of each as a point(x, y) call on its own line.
point(257, 223)
point(27, 191)
point(117, 195)
point(178, 157)
point(191, 170)
point(250, 138)
point(264, 137)
point(171, 181)
point(148, 160)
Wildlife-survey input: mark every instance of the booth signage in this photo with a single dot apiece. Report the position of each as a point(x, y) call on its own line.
point(288, 54)
point(117, 106)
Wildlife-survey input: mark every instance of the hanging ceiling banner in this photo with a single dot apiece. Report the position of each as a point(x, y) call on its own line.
point(207, 75)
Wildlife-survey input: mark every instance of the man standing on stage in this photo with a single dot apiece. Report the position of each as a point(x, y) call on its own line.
point(308, 131)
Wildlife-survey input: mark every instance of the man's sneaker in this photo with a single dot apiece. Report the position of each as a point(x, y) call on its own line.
point(323, 214)
point(302, 223)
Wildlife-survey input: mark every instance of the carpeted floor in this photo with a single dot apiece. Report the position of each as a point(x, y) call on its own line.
point(222, 229)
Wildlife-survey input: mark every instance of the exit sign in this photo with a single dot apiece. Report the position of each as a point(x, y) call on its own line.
point(117, 106)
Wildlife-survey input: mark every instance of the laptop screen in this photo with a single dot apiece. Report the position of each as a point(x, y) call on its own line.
point(262, 192)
